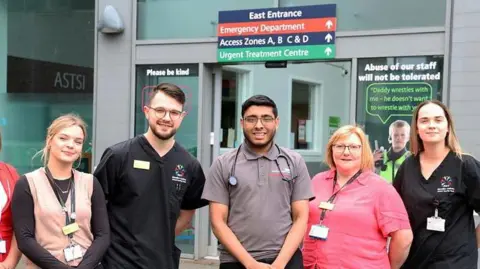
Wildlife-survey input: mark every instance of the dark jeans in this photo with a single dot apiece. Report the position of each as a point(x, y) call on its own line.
point(295, 263)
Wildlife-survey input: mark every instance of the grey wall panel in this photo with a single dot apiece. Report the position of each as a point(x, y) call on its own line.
point(197, 52)
point(113, 77)
point(465, 83)
point(380, 45)
point(391, 45)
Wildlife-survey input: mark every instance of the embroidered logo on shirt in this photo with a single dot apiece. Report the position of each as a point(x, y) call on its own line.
point(179, 174)
point(276, 173)
point(179, 170)
point(446, 182)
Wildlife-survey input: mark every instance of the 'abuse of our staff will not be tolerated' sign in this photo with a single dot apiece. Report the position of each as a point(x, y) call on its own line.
point(277, 34)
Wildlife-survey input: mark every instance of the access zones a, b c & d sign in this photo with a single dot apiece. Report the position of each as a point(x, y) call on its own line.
point(277, 34)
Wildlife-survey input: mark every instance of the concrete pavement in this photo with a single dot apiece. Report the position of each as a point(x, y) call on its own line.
point(200, 264)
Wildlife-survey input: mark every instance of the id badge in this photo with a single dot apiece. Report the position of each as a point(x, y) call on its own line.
point(319, 232)
point(71, 228)
point(326, 205)
point(68, 254)
point(436, 224)
point(3, 246)
point(73, 252)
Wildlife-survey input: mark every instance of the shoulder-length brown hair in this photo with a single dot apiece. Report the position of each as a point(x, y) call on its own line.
point(367, 162)
point(451, 140)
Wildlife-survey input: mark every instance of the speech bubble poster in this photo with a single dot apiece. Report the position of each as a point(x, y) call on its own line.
point(390, 88)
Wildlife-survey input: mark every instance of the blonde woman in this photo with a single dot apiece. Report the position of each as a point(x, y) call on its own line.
point(9, 253)
point(59, 214)
point(440, 187)
point(354, 211)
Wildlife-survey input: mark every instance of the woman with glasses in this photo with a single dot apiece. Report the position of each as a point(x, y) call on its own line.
point(440, 186)
point(355, 211)
point(9, 253)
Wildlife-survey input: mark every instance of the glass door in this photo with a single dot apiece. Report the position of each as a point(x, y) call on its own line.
point(186, 76)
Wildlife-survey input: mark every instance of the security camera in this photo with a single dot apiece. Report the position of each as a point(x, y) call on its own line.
point(345, 72)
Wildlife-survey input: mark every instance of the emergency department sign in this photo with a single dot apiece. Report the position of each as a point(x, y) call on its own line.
point(277, 34)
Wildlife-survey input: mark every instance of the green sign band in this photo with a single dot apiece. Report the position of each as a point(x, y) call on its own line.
point(276, 53)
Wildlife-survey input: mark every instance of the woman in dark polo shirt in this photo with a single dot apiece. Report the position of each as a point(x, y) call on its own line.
point(440, 187)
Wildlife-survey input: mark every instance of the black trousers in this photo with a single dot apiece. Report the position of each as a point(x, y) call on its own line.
point(295, 263)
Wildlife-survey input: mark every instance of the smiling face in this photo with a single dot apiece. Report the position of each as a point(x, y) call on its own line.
point(432, 124)
point(347, 154)
point(164, 116)
point(66, 145)
point(259, 126)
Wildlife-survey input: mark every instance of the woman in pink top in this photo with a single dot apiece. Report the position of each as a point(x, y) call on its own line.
point(355, 211)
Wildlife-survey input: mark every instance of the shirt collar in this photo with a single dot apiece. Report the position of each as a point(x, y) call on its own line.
point(362, 179)
point(272, 153)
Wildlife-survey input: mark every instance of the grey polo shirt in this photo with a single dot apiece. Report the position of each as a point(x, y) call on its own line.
point(260, 204)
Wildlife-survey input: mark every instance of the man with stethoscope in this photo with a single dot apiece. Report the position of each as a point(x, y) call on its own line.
point(259, 195)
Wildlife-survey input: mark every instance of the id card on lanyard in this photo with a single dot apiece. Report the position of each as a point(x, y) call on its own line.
point(73, 251)
point(436, 223)
point(320, 231)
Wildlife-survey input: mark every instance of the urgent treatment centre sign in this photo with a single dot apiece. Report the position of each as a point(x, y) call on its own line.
point(277, 34)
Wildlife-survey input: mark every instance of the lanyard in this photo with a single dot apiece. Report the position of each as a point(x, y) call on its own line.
point(334, 195)
point(69, 219)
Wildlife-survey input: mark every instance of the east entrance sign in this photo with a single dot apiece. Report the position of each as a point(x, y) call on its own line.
point(277, 34)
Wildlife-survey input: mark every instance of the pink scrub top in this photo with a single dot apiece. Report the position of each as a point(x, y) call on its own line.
point(365, 213)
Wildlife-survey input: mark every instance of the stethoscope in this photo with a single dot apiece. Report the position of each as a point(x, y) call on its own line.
point(232, 180)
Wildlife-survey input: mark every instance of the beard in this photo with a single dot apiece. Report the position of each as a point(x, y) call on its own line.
point(164, 136)
point(256, 145)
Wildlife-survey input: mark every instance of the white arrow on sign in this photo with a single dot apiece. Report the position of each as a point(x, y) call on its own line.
point(328, 51)
point(329, 24)
point(328, 38)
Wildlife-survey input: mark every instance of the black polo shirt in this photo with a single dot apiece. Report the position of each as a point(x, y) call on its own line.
point(455, 184)
point(145, 193)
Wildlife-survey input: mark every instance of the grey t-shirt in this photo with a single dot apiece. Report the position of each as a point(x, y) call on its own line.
point(260, 204)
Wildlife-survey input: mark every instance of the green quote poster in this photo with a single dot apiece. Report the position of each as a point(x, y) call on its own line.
point(390, 88)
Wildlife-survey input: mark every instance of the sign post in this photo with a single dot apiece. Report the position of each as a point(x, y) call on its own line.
point(277, 34)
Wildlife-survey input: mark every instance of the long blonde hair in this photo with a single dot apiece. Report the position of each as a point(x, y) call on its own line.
point(451, 140)
point(366, 163)
point(60, 123)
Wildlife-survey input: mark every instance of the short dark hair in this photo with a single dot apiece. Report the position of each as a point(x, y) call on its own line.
point(259, 100)
point(170, 90)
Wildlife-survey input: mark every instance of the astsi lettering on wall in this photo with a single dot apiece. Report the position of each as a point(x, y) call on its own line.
point(34, 76)
point(69, 81)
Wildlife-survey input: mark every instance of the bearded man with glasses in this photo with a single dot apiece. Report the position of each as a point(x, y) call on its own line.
point(153, 186)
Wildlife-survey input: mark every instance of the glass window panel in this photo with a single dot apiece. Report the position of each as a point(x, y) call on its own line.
point(163, 19)
point(319, 90)
point(46, 70)
point(301, 123)
point(230, 119)
point(187, 133)
point(381, 14)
